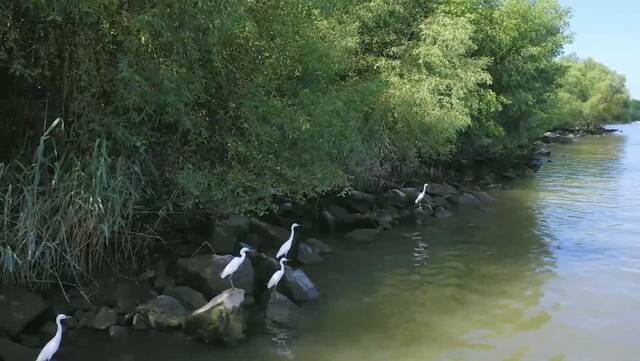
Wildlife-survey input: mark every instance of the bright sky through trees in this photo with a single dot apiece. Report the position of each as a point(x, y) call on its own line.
point(608, 31)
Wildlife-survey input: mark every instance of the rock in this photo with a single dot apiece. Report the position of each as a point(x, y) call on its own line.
point(363, 235)
point(18, 307)
point(140, 322)
point(187, 296)
point(468, 199)
point(84, 319)
point(202, 273)
point(411, 192)
point(264, 267)
point(441, 190)
point(254, 240)
point(359, 202)
point(442, 213)
point(346, 220)
point(274, 234)
point(105, 318)
point(298, 286)
point(223, 319)
point(163, 312)
point(130, 295)
point(223, 241)
point(162, 280)
point(396, 198)
point(10, 351)
point(284, 208)
point(483, 196)
point(385, 219)
point(318, 246)
point(341, 215)
point(553, 137)
point(118, 331)
point(308, 255)
point(440, 202)
point(281, 310)
point(238, 225)
point(327, 221)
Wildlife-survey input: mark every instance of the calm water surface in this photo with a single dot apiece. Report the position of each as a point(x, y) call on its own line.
point(549, 272)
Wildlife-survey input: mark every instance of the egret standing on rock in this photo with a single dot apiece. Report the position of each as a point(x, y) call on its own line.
point(286, 246)
point(421, 195)
point(52, 346)
point(234, 264)
point(277, 276)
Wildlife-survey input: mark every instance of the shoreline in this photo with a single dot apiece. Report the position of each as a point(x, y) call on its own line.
point(165, 296)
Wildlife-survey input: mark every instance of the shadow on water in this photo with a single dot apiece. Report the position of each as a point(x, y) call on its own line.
point(538, 275)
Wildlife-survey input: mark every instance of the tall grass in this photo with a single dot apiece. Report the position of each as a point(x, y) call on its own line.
point(65, 217)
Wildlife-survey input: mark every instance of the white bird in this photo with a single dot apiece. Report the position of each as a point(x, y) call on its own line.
point(52, 346)
point(286, 246)
point(234, 264)
point(421, 195)
point(277, 276)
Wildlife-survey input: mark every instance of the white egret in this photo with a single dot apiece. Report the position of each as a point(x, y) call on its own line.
point(286, 246)
point(234, 264)
point(421, 195)
point(52, 346)
point(277, 276)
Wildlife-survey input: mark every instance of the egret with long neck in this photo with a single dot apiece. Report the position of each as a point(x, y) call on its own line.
point(52, 346)
point(286, 246)
point(277, 276)
point(234, 264)
point(421, 195)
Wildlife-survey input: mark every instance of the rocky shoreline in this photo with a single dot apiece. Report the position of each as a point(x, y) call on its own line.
point(182, 290)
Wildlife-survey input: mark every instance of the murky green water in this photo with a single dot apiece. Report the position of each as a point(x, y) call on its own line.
point(549, 272)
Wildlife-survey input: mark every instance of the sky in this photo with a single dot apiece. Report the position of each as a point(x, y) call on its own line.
point(609, 32)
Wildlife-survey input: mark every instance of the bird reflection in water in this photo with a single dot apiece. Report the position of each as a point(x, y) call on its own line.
point(281, 335)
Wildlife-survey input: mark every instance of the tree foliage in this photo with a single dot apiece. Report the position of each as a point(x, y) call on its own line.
point(589, 94)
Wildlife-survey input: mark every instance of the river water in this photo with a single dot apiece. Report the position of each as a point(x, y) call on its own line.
point(551, 271)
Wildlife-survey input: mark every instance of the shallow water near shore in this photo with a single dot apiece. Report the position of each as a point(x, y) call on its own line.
point(551, 271)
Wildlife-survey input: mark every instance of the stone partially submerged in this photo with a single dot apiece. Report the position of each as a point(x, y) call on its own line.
point(18, 307)
point(281, 310)
point(221, 320)
point(202, 273)
point(163, 312)
point(298, 285)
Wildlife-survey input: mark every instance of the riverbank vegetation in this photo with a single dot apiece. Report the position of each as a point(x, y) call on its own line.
point(226, 106)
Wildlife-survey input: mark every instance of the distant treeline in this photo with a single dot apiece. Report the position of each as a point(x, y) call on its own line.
point(224, 105)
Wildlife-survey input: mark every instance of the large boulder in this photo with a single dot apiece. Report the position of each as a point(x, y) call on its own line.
point(298, 286)
point(223, 319)
point(318, 246)
point(327, 221)
point(281, 310)
point(346, 220)
point(10, 351)
point(105, 318)
point(442, 190)
point(363, 235)
point(308, 255)
point(163, 312)
point(237, 224)
point(359, 202)
point(202, 273)
point(483, 196)
point(275, 235)
point(130, 295)
point(467, 199)
point(187, 296)
point(18, 307)
point(395, 198)
point(223, 241)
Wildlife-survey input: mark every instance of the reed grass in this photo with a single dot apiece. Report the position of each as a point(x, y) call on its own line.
point(64, 217)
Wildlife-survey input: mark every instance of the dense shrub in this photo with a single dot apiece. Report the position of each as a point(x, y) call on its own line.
point(226, 105)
